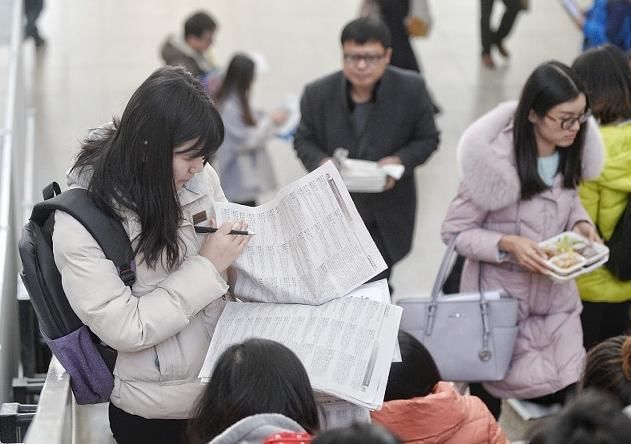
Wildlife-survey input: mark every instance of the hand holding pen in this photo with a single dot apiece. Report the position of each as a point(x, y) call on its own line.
point(223, 247)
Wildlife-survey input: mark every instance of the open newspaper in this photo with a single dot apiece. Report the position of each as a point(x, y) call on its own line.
point(311, 245)
point(346, 344)
point(336, 413)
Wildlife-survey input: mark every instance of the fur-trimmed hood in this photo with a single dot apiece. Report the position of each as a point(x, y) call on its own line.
point(487, 162)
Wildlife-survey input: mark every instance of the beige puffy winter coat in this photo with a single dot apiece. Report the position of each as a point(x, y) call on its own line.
point(162, 326)
point(548, 354)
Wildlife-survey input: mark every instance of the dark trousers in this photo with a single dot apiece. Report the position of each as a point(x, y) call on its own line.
point(601, 321)
point(132, 429)
point(495, 404)
point(32, 10)
point(490, 37)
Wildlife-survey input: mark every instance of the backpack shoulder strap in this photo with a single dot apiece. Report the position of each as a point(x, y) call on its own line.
point(105, 229)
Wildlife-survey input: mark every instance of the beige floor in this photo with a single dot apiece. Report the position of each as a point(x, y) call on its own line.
point(98, 52)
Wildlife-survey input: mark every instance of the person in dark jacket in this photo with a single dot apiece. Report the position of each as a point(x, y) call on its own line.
point(190, 50)
point(378, 113)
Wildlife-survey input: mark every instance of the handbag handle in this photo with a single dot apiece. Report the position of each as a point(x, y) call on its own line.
point(443, 271)
point(485, 353)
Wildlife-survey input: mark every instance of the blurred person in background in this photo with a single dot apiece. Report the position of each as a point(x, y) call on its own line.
point(244, 166)
point(395, 14)
point(496, 37)
point(378, 113)
point(606, 21)
point(606, 298)
point(191, 50)
point(32, 11)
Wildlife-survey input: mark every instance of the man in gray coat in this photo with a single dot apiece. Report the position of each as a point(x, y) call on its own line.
point(379, 113)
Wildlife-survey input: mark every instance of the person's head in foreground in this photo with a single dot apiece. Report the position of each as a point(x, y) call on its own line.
point(255, 377)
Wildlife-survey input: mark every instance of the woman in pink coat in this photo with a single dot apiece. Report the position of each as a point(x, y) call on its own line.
point(520, 166)
point(419, 408)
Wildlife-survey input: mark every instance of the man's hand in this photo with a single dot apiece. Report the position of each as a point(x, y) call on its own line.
point(390, 181)
point(325, 160)
point(390, 160)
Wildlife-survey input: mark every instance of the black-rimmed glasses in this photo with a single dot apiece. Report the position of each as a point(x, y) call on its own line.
point(568, 123)
point(368, 59)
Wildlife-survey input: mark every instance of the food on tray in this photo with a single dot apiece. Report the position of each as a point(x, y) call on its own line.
point(589, 252)
point(565, 244)
point(567, 260)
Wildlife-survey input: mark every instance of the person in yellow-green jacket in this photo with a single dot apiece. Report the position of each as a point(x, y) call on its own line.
point(607, 78)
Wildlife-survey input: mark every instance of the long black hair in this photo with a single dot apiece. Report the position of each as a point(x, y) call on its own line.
point(256, 376)
point(132, 164)
point(605, 72)
point(416, 375)
point(238, 80)
point(550, 84)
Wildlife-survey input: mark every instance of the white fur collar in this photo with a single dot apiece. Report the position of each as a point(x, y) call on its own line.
point(487, 163)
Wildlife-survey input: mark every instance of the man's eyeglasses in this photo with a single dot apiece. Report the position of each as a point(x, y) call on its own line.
point(568, 123)
point(368, 59)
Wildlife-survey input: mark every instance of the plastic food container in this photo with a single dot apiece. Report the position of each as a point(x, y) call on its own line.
point(570, 255)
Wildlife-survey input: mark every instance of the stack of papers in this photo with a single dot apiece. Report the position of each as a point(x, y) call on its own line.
point(336, 413)
point(365, 176)
point(346, 345)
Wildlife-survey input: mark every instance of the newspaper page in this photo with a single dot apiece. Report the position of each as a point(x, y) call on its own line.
point(336, 413)
point(346, 345)
point(310, 246)
point(380, 292)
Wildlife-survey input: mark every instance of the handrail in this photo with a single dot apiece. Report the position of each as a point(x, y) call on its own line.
point(11, 131)
point(53, 422)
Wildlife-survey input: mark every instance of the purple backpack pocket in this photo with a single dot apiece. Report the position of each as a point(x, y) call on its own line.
point(90, 378)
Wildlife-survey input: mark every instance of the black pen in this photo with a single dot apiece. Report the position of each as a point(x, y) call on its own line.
point(199, 229)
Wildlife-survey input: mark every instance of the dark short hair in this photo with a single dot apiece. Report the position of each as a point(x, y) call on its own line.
point(593, 417)
point(606, 75)
point(198, 23)
point(416, 375)
point(366, 29)
point(608, 368)
point(549, 85)
point(357, 434)
point(256, 376)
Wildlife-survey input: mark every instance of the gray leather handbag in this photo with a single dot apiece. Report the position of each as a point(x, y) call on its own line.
point(470, 340)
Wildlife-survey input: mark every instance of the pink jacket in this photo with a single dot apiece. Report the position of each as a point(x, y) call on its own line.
point(444, 416)
point(548, 355)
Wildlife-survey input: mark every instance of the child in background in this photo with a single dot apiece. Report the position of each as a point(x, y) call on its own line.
point(420, 408)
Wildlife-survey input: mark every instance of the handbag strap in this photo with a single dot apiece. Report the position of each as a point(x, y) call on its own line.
point(485, 353)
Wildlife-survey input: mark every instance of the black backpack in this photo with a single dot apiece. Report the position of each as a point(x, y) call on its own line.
point(619, 244)
point(88, 361)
